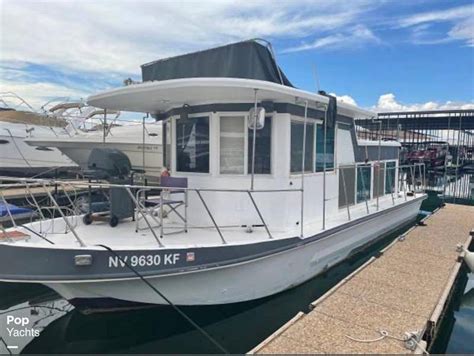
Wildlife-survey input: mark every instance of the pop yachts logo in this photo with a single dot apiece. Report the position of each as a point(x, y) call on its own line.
point(18, 327)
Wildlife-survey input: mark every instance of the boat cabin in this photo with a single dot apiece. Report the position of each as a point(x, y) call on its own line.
point(231, 136)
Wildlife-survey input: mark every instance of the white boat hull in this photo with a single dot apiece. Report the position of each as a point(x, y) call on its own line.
point(17, 156)
point(248, 280)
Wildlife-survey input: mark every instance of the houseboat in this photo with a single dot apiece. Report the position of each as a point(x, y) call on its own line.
point(266, 187)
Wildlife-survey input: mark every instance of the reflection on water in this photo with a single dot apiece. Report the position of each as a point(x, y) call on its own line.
point(238, 327)
point(455, 188)
point(462, 335)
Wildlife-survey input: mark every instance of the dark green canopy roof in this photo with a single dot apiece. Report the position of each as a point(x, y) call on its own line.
point(248, 60)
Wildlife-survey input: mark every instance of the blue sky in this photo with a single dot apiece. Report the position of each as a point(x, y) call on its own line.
point(385, 55)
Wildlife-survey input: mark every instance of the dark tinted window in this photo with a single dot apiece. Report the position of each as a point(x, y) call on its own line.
point(320, 157)
point(390, 177)
point(364, 179)
point(263, 149)
point(192, 145)
point(297, 134)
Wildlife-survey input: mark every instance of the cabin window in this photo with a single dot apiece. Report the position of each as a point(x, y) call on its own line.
point(263, 148)
point(297, 135)
point(232, 145)
point(192, 145)
point(346, 186)
point(321, 158)
point(364, 179)
point(166, 137)
point(390, 177)
point(379, 179)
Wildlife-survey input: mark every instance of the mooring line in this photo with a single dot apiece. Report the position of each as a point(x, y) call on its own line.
point(180, 312)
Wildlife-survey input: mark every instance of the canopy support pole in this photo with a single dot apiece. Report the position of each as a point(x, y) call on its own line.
point(254, 139)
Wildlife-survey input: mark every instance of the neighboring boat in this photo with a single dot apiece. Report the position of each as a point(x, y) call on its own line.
point(237, 220)
point(16, 157)
point(18, 213)
point(141, 143)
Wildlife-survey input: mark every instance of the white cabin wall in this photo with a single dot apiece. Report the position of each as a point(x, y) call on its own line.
point(345, 150)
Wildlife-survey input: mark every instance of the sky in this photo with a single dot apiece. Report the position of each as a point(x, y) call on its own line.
point(379, 54)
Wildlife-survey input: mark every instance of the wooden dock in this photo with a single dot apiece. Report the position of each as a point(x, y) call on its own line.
point(38, 191)
point(391, 304)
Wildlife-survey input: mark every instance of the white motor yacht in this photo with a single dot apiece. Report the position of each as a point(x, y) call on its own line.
point(18, 158)
point(270, 186)
point(142, 143)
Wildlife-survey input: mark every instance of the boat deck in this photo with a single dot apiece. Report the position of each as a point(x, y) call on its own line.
point(124, 235)
point(403, 290)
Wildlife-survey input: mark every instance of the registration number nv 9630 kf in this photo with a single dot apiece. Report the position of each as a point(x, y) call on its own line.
point(144, 260)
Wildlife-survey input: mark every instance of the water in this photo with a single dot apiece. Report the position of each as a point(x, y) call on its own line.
point(238, 327)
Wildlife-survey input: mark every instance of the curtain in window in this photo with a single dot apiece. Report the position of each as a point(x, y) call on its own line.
point(379, 179)
point(232, 145)
point(192, 145)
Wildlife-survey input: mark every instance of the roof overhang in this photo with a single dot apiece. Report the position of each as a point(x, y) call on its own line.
point(161, 96)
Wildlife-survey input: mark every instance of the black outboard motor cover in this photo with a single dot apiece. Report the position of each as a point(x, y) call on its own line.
point(105, 163)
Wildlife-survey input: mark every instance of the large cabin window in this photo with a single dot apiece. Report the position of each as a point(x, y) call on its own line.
point(192, 145)
point(364, 179)
point(390, 177)
point(320, 157)
point(263, 148)
point(232, 145)
point(297, 136)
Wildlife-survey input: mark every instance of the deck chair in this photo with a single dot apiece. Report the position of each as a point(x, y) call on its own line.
point(173, 195)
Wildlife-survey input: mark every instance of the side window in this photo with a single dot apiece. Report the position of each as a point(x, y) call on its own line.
point(390, 177)
point(192, 145)
point(364, 179)
point(263, 149)
point(297, 136)
point(346, 186)
point(232, 145)
point(379, 179)
point(320, 157)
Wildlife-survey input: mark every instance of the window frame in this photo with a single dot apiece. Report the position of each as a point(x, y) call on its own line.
point(246, 118)
point(174, 157)
point(333, 170)
point(309, 121)
point(246, 173)
point(371, 166)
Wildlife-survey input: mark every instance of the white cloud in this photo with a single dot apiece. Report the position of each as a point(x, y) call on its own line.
point(388, 102)
point(119, 35)
point(345, 99)
point(460, 18)
point(37, 94)
point(353, 37)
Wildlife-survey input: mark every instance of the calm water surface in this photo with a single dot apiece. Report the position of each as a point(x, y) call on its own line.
point(238, 327)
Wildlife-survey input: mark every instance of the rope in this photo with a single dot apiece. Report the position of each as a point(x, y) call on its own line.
point(6, 345)
point(180, 312)
point(410, 337)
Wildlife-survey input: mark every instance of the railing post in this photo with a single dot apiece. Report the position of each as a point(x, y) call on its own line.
point(55, 203)
point(260, 215)
point(341, 171)
point(210, 215)
point(363, 188)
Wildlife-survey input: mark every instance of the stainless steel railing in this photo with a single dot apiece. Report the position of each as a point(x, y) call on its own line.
point(410, 179)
